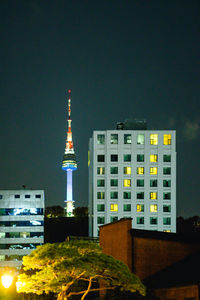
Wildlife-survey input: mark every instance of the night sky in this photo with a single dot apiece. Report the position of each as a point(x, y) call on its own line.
point(121, 59)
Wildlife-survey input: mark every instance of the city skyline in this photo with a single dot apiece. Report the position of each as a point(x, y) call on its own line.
point(121, 60)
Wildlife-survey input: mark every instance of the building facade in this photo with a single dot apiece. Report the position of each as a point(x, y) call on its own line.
point(132, 173)
point(21, 224)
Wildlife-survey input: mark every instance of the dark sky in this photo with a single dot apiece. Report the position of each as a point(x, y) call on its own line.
point(121, 59)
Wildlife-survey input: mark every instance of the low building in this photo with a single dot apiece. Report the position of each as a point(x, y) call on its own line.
point(21, 224)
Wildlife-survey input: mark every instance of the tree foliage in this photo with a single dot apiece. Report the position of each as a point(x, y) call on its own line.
point(54, 211)
point(74, 268)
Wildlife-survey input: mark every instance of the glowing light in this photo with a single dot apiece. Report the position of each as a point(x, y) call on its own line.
point(6, 280)
point(113, 207)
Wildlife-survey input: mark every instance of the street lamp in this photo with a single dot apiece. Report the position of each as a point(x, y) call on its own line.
point(6, 280)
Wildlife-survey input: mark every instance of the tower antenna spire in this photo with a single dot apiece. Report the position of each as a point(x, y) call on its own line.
point(69, 163)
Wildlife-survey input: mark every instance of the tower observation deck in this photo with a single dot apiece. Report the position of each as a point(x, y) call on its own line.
point(69, 163)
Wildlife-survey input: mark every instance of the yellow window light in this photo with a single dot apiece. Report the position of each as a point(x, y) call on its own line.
point(127, 182)
point(139, 208)
point(167, 139)
point(153, 139)
point(153, 208)
point(153, 158)
point(127, 170)
point(140, 170)
point(153, 171)
point(153, 195)
point(113, 207)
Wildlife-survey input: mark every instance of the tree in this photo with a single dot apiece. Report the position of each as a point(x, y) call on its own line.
point(54, 211)
point(74, 268)
point(81, 212)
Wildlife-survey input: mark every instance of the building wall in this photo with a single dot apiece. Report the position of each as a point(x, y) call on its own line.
point(178, 293)
point(144, 256)
point(21, 224)
point(130, 207)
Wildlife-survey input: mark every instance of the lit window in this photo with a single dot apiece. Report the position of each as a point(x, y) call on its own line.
point(113, 207)
point(167, 158)
point(153, 183)
point(153, 158)
point(127, 195)
point(140, 139)
point(127, 157)
point(114, 157)
point(113, 195)
point(127, 139)
point(127, 207)
point(100, 158)
point(100, 195)
point(114, 182)
point(114, 138)
point(140, 182)
point(166, 196)
point(153, 139)
point(100, 207)
point(168, 230)
point(167, 208)
point(100, 220)
point(2, 234)
point(166, 221)
point(127, 182)
point(113, 170)
point(100, 170)
point(100, 182)
point(153, 208)
point(113, 219)
point(127, 170)
point(140, 195)
point(167, 139)
point(166, 183)
point(166, 171)
point(140, 157)
point(140, 170)
point(153, 171)
point(140, 220)
point(153, 195)
point(100, 139)
point(140, 207)
point(153, 220)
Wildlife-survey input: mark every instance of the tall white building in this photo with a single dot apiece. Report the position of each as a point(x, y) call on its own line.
point(21, 224)
point(132, 173)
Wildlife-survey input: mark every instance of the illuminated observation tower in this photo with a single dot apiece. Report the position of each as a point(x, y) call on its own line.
point(69, 163)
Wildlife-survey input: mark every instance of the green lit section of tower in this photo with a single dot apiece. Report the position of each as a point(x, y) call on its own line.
point(69, 163)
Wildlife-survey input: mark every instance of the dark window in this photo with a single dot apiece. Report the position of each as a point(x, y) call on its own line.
point(153, 183)
point(113, 195)
point(127, 157)
point(114, 157)
point(37, 196)
point(140, 220)
point(113, 170)
point(166, 171)
point(140, 182)
point(166, 221)
point(153, 221)
point(113, 182)
point(100, 182)
point(100, 207)
point(166, 208)
point(167, 183)
point(127, 195)
point(100, 158)
point(140, 157)
point(100, 139)
point(166, 196)
point(166, 158)
point(1, 196)
point(17, 196)
point(127, 207)
point(27, 196)
point(100, 220)
point(140, 195)
point(113, 219)
point(100, 195)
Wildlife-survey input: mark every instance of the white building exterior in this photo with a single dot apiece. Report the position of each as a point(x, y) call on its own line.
point(132, 173)
point(21, 224)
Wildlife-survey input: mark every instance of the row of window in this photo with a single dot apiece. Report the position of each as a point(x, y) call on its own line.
point(139, 183)
point(20, 196)
point(21, 223)
point(139, 207)
point(139, 170)
point(127, 183)
point(153, 139)
point(139, 195)
point(139, 220)
point(18, 246)
point(21, 235)
point(20, 211)
point(153, 158)
point(11, 257)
